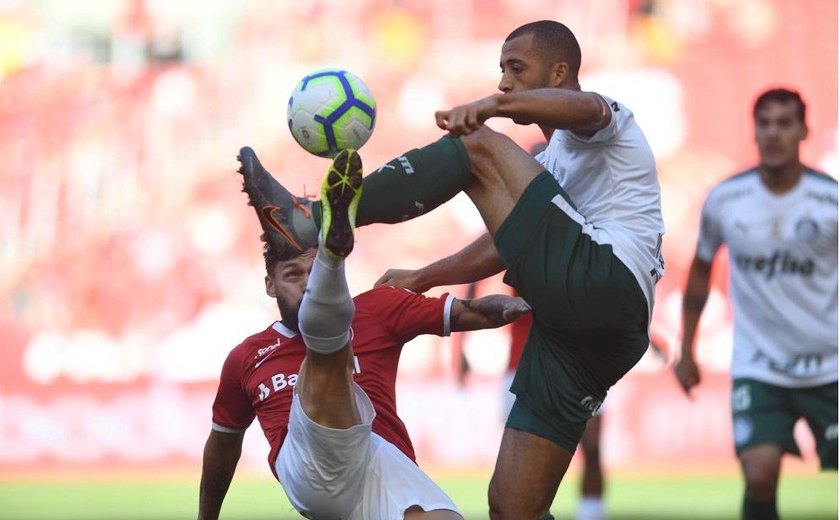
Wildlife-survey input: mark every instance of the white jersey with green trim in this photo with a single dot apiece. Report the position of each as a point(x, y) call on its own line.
point(782, 275)
point(612, 181)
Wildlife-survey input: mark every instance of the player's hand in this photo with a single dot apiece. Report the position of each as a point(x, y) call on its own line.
point(402, 278)
point(514, 308)
point(688, 374)
point(466, 119)
point(500, 309)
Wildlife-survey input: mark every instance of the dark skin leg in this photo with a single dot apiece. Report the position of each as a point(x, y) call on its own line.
point(501, 172)
point(529, 468)
point(761, 466)
point(592, 483)
point(415, 513)
point(528, 471)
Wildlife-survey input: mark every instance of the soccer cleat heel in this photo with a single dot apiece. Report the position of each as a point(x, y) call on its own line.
point(340, 194)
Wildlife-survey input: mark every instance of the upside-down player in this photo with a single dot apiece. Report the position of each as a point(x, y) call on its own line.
point(321, 380)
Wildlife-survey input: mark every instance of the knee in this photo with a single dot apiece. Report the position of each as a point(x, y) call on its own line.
point(498, 509)
point(487, 147)
point(495, 503)
point(483, 141)
point(490, 153)
point(761, 481)
point(502, 507)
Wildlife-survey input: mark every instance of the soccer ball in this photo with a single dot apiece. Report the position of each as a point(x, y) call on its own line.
point(331, 110)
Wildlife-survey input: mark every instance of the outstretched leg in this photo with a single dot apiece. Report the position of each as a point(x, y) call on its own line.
point(323, 462)
point(492, 170)
point(325, 383)
point(325, 387)
point(487, 165)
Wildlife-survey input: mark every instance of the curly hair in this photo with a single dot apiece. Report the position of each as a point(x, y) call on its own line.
point(271, 259)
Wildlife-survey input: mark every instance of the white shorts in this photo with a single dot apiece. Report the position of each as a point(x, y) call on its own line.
point(353, 474)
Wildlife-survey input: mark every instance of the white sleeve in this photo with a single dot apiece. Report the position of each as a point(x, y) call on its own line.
point(710, 237)
point(618, 113)
point(447, 315)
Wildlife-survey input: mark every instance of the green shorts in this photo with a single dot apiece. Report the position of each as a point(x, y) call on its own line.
point(765, 414)
point(590, 315)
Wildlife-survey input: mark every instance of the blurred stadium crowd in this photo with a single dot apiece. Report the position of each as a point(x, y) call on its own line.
point(129, 264)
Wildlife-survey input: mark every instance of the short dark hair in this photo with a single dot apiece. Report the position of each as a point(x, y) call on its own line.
point(781, 95)
point(555, 41)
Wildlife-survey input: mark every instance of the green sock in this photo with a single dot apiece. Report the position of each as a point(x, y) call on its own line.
point(759, 509)
point(412, 184)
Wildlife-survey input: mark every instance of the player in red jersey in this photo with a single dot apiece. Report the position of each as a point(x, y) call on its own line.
point(328, 408)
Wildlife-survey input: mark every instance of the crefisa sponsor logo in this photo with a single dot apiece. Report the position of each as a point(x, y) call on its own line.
point(779, 263)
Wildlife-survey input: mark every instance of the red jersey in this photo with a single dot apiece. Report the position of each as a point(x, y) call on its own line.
point(259, 375)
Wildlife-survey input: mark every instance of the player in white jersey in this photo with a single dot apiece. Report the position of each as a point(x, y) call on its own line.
point(611, 179)
point(583, 252)
point(578, 231)
point(779, 222)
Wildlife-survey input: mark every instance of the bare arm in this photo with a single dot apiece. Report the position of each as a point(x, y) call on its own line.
point(581, 112)
point(694, 300)
point(487, 312)
point(221, 454)
point(475, 262)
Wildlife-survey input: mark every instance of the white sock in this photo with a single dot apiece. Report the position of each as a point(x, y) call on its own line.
point(327, 308)
point(591, 507)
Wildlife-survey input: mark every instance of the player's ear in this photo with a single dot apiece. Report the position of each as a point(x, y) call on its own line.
point(270, 289)
point(559, 73)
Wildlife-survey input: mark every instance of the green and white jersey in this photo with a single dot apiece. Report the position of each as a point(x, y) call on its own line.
point(611, 179)
point(783, 275)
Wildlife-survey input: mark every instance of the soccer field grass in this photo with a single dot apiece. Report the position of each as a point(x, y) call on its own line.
point(806, 497)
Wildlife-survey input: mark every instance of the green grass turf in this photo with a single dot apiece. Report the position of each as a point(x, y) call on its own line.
point(672, 497)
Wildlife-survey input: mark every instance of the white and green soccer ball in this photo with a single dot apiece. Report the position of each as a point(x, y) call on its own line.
point(331, 110)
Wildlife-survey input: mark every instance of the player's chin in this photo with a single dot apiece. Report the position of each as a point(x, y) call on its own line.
point(776, 161)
